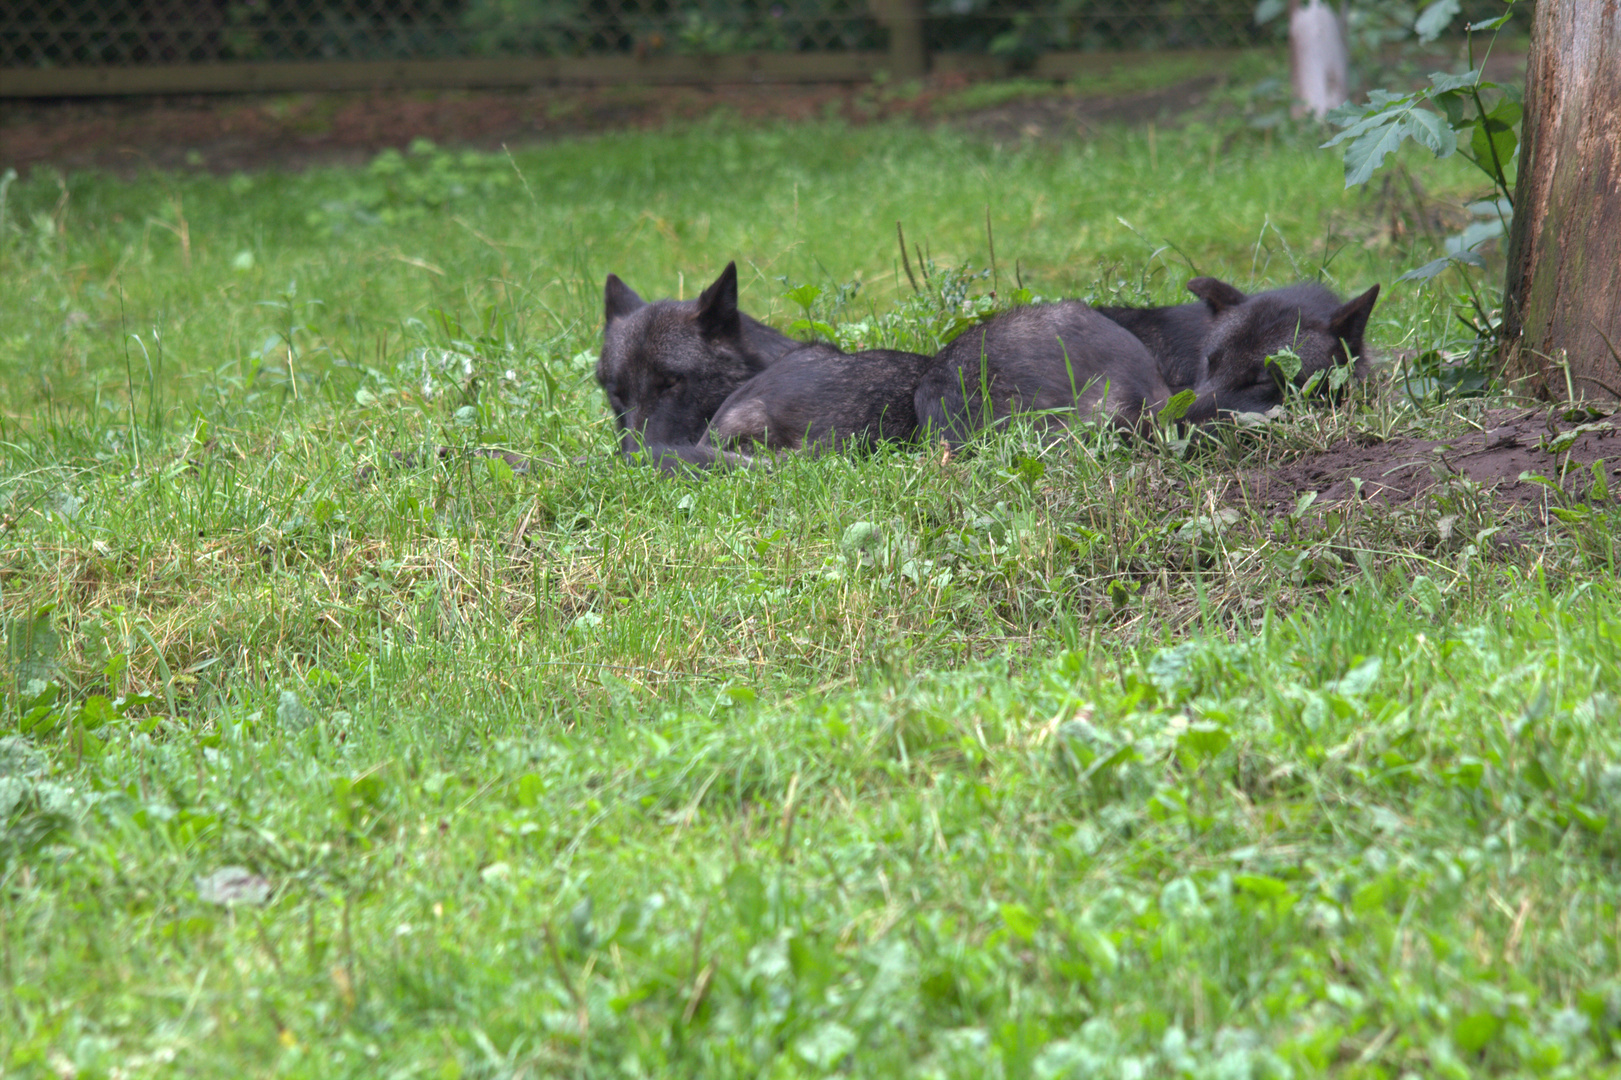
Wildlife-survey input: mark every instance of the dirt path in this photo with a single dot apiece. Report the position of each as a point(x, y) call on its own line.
point(225, 134)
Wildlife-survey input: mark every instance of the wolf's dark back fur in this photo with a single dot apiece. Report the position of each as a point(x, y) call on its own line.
point(818, 397)
point(1034, 359)
point(1174, 335)
point(667, 365)
point(1321, 329)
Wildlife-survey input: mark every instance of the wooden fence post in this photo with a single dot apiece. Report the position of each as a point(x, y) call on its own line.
point(908, 58)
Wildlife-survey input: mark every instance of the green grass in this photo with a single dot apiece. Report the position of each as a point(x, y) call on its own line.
point(991, 93)
point(1073, 769)
point(1108, 76)
point(1136, 75)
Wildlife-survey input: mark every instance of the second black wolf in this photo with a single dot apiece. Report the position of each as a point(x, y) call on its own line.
point(1246, 332)
point(1046, 358)
point(819, 398)
point(1183, 336)
point(667, 365)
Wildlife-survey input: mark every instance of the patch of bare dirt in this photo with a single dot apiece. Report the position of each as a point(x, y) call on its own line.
point(229, 133)
point(224, 134)
point(1513, 442)
point(1057, 117)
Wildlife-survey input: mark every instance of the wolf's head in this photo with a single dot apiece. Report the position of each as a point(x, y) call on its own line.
point(1247, 330)
point(667, 365)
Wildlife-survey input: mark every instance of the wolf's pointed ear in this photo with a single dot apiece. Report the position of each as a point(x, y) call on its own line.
point(619, 299)
point(1350, 320)
point(717, 307)
point(1217, 295)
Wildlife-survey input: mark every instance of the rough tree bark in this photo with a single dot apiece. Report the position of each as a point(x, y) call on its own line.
point(1562, 302)
point(1318, 58)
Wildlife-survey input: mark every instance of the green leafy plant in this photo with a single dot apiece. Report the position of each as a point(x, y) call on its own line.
point(1448, 116)
point(1464, 114)
point(424, 181)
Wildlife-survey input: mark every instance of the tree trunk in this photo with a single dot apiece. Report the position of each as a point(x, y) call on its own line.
point(1318, 59)
point(1562, 298)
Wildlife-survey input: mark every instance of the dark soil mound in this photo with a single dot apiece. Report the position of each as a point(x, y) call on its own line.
point(1512, 444)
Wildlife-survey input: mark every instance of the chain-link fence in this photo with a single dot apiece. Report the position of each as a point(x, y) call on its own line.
point(61, 33)
point(110, 35)
point(99, 32)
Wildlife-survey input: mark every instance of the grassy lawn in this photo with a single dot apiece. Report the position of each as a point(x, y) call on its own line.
point(1070, 765)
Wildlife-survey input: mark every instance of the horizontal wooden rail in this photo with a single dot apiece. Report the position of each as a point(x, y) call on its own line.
point(828, 67)
point(247, 76)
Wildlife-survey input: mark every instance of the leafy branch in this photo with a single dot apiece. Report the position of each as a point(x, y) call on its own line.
point(1449, 117)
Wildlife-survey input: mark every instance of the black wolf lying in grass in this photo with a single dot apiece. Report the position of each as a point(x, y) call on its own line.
point(667, 365)
point(1219, 345)
point(1047, 358)
point(687, 379)
point(819, 398)
point(1306, 319)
